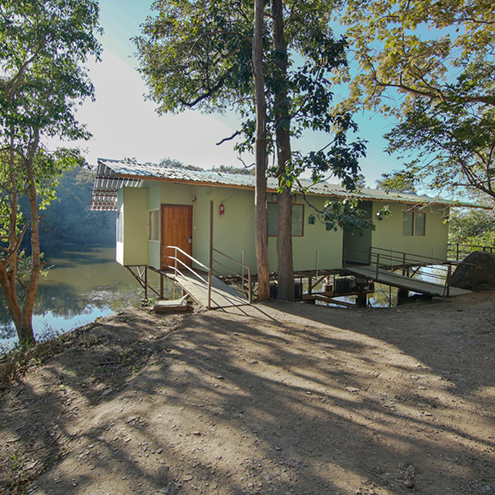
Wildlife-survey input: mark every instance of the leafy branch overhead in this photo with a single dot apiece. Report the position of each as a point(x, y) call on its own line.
point(198, 54)
point(440, 51)
point(42, 47)
point(346, 215)
point(431, 65)
point(270, 62)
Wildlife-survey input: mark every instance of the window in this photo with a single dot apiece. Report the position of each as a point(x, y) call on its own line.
point(414, 223)
point(154, 225)
point(120, 227)
point(297, 220)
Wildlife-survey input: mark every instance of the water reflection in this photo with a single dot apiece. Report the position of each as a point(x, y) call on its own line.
point(81, 285)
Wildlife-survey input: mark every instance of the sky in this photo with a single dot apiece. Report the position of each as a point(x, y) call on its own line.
point(125, 125)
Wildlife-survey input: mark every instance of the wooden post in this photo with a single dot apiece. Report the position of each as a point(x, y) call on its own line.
point(146, 281)
point(449, 272)
point(403, 264)
point(209, 288)
point(457, 255)
point(361, 300)
point(250, 283)
point(211, 233)
point(402, 295)
point(161, 285)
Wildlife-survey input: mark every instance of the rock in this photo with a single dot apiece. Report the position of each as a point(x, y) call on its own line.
point(174, 306)
point(409, 484)
point(353, 390)
point(31, 465)
point(485, 271)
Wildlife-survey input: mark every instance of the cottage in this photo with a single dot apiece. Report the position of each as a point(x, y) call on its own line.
point(210, 214)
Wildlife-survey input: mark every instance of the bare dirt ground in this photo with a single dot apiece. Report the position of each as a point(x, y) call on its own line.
point(292, 399)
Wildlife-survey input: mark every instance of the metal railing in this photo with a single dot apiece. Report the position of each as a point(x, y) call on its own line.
point(409, 264)
point(178, 262)
point(244, 280)
point(459, 251)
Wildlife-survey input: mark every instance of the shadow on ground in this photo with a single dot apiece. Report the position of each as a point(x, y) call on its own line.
point(289, 399)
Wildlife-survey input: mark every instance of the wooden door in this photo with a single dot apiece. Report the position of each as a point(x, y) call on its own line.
point(176, 230)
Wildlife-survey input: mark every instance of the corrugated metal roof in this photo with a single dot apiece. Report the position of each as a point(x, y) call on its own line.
point(106, 186)
point(114, 174)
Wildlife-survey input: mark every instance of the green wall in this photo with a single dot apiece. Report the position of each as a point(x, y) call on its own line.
point(388, 233)
point(135, 226)
point(233, 232)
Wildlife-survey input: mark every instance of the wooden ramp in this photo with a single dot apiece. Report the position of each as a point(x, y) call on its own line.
point(402, 282)
point(222, 295)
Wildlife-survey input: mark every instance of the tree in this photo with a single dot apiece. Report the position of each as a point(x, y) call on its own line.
point(200, 55)
point(261, 216)
point(438, 58)
point(474, 227)
point(403, 182)
point(68, 219)
point(42, 45)
point(453, 146)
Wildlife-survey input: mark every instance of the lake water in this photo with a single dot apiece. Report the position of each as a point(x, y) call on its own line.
point(81, 285)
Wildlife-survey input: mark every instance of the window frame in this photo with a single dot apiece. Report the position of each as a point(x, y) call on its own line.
point(292, 229)
point(154, 222)
point(415, 215)
point(120, 225)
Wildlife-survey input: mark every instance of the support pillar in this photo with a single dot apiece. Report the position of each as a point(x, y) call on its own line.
point(402, 295)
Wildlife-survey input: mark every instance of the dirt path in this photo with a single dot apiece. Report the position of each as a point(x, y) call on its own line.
point(293, 399)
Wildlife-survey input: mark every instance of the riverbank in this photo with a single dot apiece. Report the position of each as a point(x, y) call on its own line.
point(288, 399)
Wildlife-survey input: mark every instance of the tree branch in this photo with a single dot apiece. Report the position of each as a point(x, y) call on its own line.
point(206, 95)
point(224, 140)
point(487, 99)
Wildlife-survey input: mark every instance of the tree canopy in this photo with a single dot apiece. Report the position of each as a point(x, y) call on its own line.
point(440, 51)
point(431, 65)
point(201, 55)
point(42, 46)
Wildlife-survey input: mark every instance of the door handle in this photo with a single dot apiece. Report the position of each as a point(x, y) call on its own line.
point(190, 239)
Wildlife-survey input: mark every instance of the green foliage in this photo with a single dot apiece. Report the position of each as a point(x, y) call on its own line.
point(453, 145)
point(473, 227)
point(439, 51)
point(234, 170)
point(402, 181)
point(437, 57)
point(173, 163)
point(346, 215)
point(43, 44)
point(68, 219)
point(198, 54)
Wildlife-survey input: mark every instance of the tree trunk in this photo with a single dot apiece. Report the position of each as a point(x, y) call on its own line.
point(261, 220)
point(26, 328)
point(9, 265)
point(22, 315)
point(282, 130)
point(7, 282)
